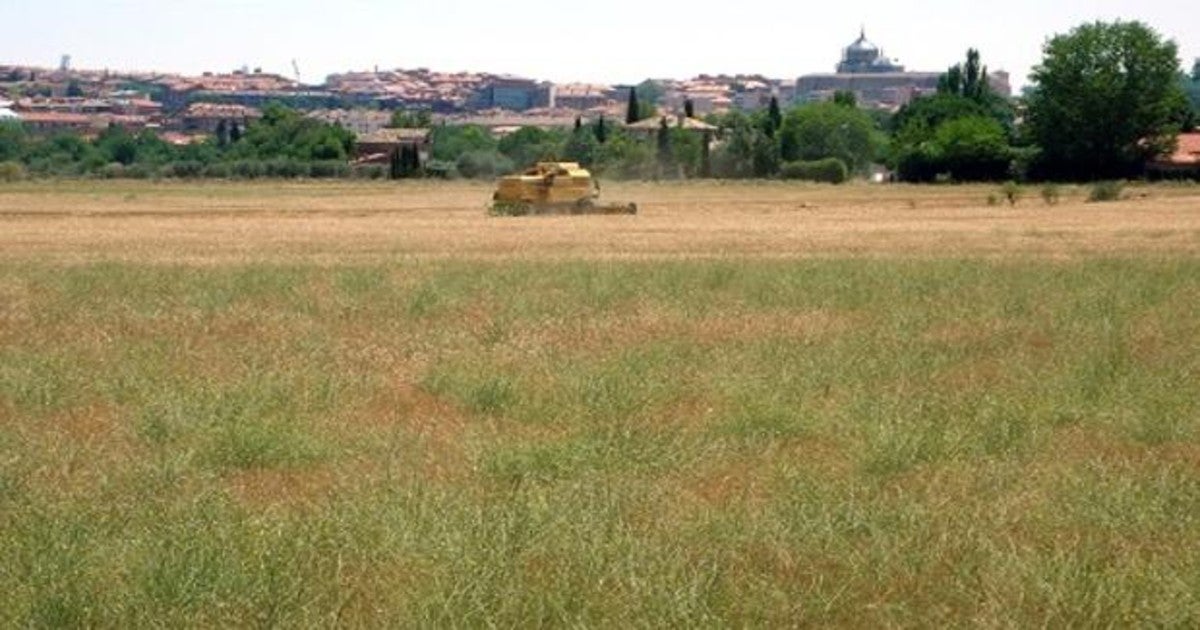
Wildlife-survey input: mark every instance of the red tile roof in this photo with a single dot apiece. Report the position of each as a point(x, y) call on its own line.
point(1187, 152)
point(61, 118)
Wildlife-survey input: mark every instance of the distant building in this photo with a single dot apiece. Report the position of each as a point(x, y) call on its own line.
point(876, 80)
point(207, 117)
point(873, 78)
point(360, 122)
point(378, 147)
point(54, 122)
point(581, 96)
point(1184, 162)
point(863, 57)
point(515, 94)
point(7, 114)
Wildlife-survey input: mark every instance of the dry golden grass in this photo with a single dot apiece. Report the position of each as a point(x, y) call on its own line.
point(341, 222)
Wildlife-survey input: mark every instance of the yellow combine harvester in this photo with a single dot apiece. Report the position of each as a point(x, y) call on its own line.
point(553, 188)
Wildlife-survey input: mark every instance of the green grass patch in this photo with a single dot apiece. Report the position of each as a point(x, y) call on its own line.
point(686, 443)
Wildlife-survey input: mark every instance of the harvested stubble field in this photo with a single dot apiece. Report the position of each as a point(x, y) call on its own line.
point(751, 405)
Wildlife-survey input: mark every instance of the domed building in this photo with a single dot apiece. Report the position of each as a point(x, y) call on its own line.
point(863, 57)
point(875, 80)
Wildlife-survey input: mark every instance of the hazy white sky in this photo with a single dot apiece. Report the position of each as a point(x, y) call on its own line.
point(614, 41)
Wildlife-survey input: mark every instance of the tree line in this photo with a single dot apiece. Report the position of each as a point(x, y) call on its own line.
point(283, 143)
point(1106, 98)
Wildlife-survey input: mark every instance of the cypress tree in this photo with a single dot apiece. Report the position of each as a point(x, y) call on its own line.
point(632, 114)
point(414, 159)
point(395, 167)
point(235, 133)
point(689, 108)
point(222, 133)
point(664, 142)
point(774, 116)
point(578, 123)
point(601, 130)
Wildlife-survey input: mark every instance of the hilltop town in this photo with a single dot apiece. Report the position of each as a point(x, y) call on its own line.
point(65, 98)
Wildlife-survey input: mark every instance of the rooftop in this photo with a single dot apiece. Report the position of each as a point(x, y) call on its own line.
point(1187, 151)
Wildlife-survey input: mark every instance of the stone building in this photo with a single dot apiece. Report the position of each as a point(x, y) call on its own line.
point(877, 80)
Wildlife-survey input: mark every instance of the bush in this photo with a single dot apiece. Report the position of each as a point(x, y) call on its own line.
point(828, 170)
point(1012, 192)
point(141, 171)
point(1051, 194)
point(1106, 191)
point(218, 170)
point(186, 169)
point(483, 164)
point(116, 170)
point(328, 169)
point(11, 171)
point(248, 169)
point(285, 169)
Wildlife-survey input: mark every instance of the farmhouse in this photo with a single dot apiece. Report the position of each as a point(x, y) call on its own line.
point(1184, 162)
point(207, 117)
point(378, 147)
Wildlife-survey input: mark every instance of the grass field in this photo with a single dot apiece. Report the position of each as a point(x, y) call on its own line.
point(751, 405)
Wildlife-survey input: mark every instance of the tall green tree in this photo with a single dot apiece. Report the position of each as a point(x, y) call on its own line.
point(633, 110)
point(531, 144)
point(411, 119)
point(222, 133)
point(12, 141)
point(581, 147)
point(689, 108)
point(774, 117)
point(826, 130)
point(969, 80)
point(1104, 99)
point(601, 130)
point(649, 92)
point(664, 143)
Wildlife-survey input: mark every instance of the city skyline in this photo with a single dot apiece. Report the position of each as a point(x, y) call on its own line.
point(624, 43)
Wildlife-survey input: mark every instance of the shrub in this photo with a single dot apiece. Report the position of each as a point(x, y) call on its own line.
point(993, 200)
point(218, 170)
point(1106, 191)
point(285, 169)
point(828, 170)
point(11, 171)
point(248, 169)
point(116, 170)
point(483, 164)
point(1051, 194)
point(1012, 192)
point(141, 171)
point(187, 169)
point(328, 169)
point(369, 171)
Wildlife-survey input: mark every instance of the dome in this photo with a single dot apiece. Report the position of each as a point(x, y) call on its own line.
point(863, 45)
